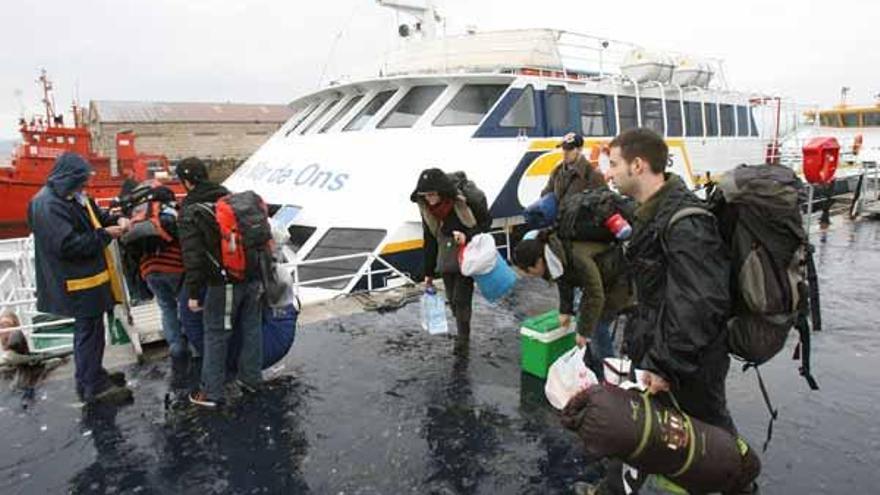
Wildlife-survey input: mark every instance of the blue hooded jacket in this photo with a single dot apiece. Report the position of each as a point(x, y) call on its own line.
point(72, 276)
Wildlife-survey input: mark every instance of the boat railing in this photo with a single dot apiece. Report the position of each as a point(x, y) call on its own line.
point(366, 270)
point(568, 53)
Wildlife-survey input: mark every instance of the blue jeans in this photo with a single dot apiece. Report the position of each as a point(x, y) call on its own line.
point(602, 346)
point(246, 315)
point(88, 354)
point(166, 286)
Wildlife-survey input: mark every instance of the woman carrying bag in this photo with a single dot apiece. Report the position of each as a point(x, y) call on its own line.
point(453, 210)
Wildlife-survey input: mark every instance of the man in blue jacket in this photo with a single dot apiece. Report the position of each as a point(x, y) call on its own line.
point(74, 271)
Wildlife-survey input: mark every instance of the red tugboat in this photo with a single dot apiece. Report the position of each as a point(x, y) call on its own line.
point(44, 140)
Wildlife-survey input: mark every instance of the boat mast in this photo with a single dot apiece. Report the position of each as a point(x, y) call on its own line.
point(423, 10)
point(48, 99)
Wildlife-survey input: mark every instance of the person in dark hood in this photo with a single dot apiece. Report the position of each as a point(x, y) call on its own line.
point(449, 221)
point(204, 275)
point(574, 173)
point(597, 269)
point(75, 273)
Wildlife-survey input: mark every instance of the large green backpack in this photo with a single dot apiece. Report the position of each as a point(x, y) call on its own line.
point(758, 209)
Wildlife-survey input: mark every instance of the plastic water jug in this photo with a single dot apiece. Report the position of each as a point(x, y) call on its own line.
point(434, 312)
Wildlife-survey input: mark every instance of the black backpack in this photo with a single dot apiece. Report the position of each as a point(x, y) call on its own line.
point(582, 215)
point(772, 281)
point(475, 198)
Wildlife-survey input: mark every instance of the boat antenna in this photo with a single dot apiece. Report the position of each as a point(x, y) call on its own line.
point(844, 91)
point(18, 93)
point(333, 45)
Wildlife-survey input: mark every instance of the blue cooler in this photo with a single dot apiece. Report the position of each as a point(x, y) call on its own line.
point(498, 282)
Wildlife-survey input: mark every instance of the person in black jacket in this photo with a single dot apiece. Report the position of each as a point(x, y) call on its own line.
point(680, 268)
point(74, 271)
point(449, 221)
point(681, 272)
point(204, 274)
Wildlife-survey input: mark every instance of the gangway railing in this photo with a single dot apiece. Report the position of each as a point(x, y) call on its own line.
point(18, 291)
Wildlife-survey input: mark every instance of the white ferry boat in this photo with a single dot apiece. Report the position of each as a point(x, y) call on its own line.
point(493, 105)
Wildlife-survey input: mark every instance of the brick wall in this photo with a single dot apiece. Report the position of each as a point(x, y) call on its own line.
point(213, 141)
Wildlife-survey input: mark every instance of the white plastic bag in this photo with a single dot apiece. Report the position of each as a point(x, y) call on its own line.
point(434, 312)
point(479, 255)
point(567, 377)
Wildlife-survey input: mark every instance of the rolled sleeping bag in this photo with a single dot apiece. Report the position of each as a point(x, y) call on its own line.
point(541, 213)
point(278, 329)
point(657, 439)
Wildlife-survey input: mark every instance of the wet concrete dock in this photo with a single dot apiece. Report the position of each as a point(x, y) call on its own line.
point(368, 403)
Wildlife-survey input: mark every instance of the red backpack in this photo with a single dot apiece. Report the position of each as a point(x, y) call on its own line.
point(245, 235)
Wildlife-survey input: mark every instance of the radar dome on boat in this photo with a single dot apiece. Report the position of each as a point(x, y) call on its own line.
point(692, 72)
point(643, 66)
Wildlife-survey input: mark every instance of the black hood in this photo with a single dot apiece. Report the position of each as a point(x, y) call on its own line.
point(205, 192)
point(434, 180)
point(70, 172)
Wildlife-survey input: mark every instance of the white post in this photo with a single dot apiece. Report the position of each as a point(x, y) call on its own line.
point(810, 192)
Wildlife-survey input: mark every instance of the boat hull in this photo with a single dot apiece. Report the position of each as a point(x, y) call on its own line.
point(15, 196)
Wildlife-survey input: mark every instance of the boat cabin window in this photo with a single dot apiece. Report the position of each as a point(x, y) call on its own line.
point(302, 117)
point(652, 114)
point(727, 123)
point(594, 115)
point(558, 122)
point(871, 119)
point(742, 121)
point(522, 113)
point(626, 105)
point(694, 115)
point(299, 234)
point(829, 120)
point(411, 107)
point(673, 118)
point(711, 119)
point(341, 113)
point(850, 119)
point(470, 105)
point(320, 116)
point(338, 242)
point(371, 108)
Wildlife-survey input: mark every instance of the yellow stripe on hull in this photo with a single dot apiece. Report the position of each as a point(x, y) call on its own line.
point(398, 247)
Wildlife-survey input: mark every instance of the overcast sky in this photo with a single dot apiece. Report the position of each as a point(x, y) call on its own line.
point(274, 50)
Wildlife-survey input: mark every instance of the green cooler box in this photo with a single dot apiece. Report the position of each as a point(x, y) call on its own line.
point(542, 341)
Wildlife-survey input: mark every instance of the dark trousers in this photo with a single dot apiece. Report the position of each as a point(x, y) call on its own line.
point(460, 294)
point(246, 314)
point(704, 396)
point(88, 354)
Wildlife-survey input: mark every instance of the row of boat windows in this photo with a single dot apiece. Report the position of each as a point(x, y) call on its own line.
point(595, 113)
point(468, 107)
point(851, 119)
